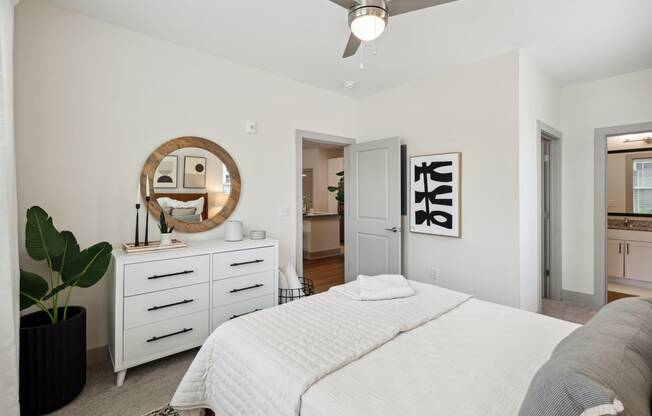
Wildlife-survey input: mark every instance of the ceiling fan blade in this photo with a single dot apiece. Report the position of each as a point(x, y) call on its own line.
point(347, 4)
point(396, 7)
point(351, 46)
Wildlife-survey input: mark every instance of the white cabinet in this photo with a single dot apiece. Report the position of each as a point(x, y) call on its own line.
point(615, 258)
point(629, 255)
point(638, 260)
point(166, 302)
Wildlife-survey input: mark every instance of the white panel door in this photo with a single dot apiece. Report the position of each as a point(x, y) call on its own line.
point(638, 260)
point(615, 258)
point(373, 208)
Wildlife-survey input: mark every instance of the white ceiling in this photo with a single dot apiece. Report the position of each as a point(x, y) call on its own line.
point(574, 40)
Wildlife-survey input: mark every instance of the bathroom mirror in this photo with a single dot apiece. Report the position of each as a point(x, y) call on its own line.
point(629, 175)
point(194, 181)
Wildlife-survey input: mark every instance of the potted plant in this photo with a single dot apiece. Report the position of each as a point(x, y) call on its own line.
point(53, 340)
point(166, 231)
point(339, 196)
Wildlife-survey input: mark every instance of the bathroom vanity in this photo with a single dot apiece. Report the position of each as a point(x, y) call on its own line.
point(629, 250)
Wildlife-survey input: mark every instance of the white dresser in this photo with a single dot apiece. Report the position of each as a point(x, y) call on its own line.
point(166, 302)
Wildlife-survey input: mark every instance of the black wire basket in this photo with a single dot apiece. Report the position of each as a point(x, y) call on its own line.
point(288, 295)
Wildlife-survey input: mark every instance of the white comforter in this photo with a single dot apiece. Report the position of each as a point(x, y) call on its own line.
point(476, 360)
point(261, 364)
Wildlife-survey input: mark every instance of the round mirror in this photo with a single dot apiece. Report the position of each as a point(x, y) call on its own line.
point(194, 181)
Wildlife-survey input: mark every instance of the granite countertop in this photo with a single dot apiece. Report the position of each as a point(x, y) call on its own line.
point(321, 215)
point(620, 223)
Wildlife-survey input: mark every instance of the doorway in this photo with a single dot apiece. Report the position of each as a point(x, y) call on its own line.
point(369, 219)
point(616, 241)
point(550, 217)
point(629, 215)
point(323, 213)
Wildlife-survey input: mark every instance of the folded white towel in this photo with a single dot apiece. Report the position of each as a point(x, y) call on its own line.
point(381, 287)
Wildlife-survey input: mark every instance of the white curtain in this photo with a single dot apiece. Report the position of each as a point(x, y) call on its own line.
point(8, 231)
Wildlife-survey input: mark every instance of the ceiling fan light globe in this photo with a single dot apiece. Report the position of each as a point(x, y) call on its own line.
point(368, 27)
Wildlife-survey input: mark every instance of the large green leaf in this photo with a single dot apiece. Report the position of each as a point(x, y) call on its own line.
point(32, 286)
point(90, 265)
point(58, 289)
point(42, 240)
point(67, 257)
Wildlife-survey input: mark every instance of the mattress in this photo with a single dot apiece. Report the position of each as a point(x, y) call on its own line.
point(476, 360)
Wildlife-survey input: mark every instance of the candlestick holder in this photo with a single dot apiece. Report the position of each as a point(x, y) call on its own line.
point(147, 198)
point(136, 242)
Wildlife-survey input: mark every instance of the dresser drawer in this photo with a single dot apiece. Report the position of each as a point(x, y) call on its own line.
point(237, 289)
point(236, 263)
point(165, 274)
point(225, 313)
point(165, 337)
point(159, 306)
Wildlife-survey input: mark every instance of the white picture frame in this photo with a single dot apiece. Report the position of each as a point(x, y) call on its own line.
point(435, 194)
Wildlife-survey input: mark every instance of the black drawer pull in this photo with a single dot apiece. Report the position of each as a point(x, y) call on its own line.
point(183, 331)
point(170, 274)
point(246, 262)
point(247, 288)
point(155, 308)
point(243, 314)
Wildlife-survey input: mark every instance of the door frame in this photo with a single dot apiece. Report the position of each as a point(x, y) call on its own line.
point(300, 136)
point(600, 280)
point(555, 137)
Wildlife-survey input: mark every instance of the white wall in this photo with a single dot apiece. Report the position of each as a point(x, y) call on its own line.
point(8, 248)
point(624, 99)
point(93, 100)
point(538, 101)
point(473, 110)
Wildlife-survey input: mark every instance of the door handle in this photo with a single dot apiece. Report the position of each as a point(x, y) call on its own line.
point(627, 245)
point(620, 248)
point(393, 229)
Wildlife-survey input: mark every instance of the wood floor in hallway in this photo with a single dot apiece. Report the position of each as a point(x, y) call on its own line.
point(325, 272)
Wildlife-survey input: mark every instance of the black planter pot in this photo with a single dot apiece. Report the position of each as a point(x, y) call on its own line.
point(52, 360)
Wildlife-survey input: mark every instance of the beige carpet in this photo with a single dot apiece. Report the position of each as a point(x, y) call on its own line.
point(568, 311)
point(147, 387)
point(150, 386)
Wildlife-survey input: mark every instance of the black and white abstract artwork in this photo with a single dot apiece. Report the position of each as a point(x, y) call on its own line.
point(435, 194)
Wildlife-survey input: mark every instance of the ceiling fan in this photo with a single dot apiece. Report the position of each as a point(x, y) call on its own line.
point(368, 18)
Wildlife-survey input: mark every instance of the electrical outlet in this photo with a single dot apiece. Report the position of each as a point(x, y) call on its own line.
point(434, 274)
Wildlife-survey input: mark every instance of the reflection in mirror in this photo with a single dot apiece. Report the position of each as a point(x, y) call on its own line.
point(629, 174)
point(191, 184)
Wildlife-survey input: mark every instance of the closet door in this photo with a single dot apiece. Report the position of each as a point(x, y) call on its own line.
point(638, 260)
point(615, 258)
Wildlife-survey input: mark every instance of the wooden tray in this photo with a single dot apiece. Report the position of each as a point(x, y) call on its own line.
point(130, 248)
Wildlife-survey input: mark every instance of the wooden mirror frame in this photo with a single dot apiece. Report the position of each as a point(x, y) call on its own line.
point(180, 143)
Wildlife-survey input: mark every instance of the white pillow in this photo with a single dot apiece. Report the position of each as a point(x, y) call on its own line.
point(292, 277)
point(166, 202)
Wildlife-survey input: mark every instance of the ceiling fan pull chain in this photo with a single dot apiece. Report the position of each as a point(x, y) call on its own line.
point(362, 57)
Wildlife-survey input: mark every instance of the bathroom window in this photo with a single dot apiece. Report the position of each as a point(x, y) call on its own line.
point(642, 185)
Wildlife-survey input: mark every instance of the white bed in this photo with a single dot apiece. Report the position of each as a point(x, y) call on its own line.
point(437, 353)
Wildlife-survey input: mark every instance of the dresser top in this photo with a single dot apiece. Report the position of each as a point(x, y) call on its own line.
point(193, 248)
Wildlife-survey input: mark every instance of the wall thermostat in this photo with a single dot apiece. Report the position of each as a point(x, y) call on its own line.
point(251, 127)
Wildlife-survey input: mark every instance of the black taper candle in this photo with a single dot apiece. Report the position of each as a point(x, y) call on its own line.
point(136, 242)
point(147, 198)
